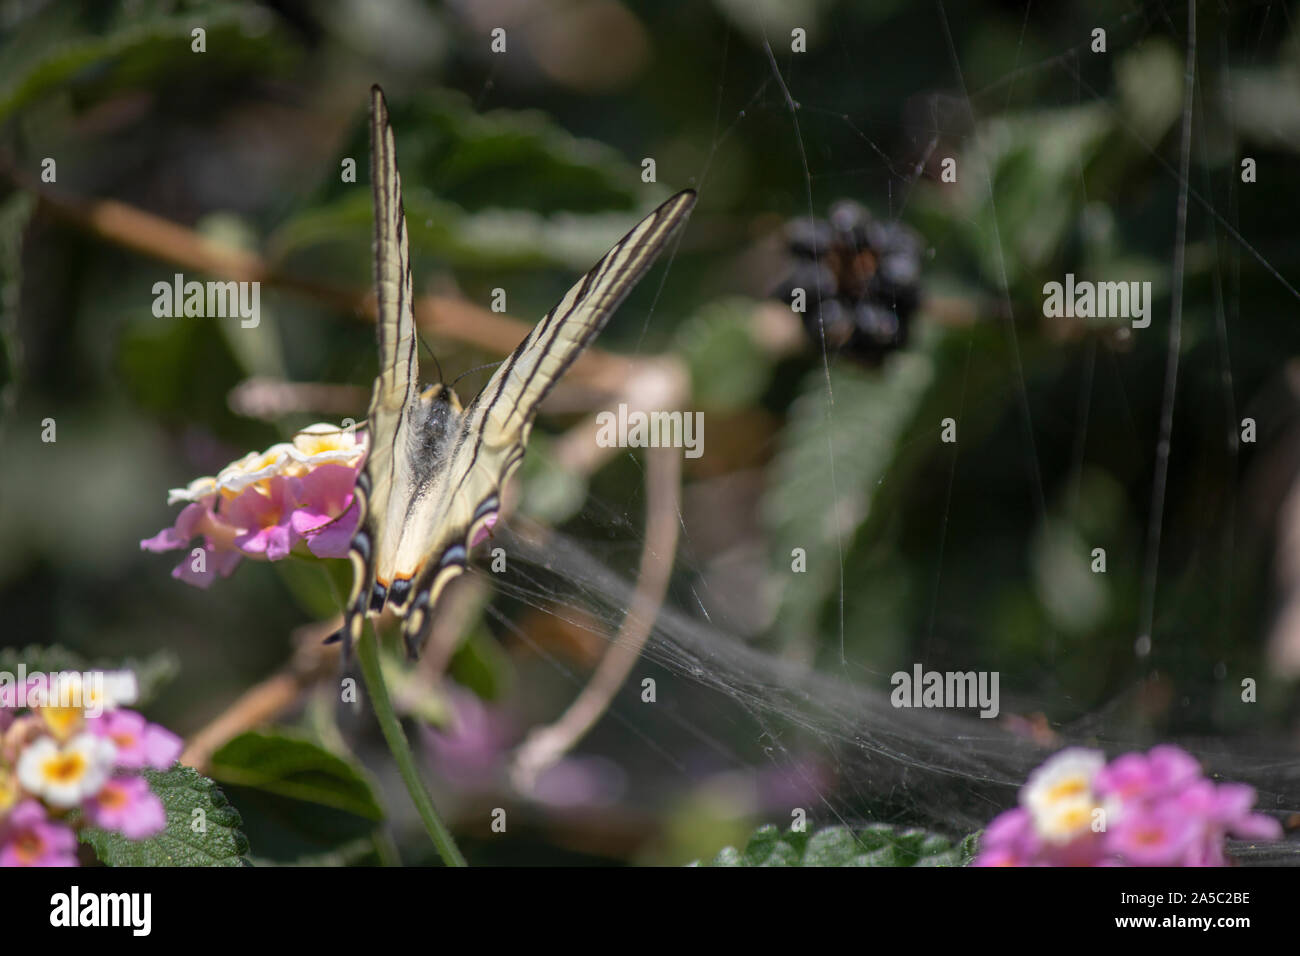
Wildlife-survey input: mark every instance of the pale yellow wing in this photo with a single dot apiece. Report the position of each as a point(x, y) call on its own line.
point(494, 429)
point(387, 471)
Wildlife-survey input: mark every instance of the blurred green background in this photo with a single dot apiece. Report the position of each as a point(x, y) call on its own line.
point(519, 170)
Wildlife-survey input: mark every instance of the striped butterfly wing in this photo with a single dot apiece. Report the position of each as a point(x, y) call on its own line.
point(494, 429)
point(394, 395)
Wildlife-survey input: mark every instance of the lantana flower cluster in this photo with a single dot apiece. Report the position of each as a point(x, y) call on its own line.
point(1152, 809)
point(58, 758)
point(267, 503)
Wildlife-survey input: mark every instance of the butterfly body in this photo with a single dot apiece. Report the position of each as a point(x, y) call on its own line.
point(430, 489)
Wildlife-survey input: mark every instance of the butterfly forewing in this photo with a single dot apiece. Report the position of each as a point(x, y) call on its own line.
point(394, 392)
point(495, 428)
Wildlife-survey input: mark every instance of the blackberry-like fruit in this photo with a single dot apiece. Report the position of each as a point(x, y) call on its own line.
point(868, 273)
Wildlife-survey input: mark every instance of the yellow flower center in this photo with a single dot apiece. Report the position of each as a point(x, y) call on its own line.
point(62, 721)
point(1149, 836)
point(8, 791)
point(111, 798)
point(1068, 788)
point(65, 767)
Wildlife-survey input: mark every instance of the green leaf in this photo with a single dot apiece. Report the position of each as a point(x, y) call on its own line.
point(151, 672)
point(728, 367)
point(49, 52)
point(801, 509)
point(503, 158)
point(877, 844)
point(295, 767)
point(352, 853)
point(485, 191)
point(482, 666)
point(15, 214)
point(491, 239)
point(182, 791)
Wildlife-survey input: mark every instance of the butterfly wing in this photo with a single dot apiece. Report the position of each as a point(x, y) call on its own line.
point(494, 429)
point(393, 400)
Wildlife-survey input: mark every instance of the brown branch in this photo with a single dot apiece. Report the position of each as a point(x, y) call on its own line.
point(170, 242)
point(268, 700)
point(544, 746)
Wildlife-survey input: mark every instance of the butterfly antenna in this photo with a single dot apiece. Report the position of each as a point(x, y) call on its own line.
point(477, 368)
point(436, 363)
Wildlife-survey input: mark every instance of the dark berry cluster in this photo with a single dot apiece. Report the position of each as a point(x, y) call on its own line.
point(866, 274)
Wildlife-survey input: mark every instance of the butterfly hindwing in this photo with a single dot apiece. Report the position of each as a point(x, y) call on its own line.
point(431, 485)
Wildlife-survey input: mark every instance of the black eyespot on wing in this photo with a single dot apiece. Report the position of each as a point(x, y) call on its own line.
point(378, 594)
point(399, 591)
point(361, 544)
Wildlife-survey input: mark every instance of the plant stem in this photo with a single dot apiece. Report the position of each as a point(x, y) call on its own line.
point(368, 654)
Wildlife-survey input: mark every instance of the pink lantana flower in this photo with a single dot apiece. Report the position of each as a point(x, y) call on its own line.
point(27, 838)
point(68, 745)
point(266, 504)
point(139, 743)
point(126, 804)
point(1153, 809)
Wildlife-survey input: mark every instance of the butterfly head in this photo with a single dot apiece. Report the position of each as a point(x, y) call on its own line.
point(438, 395)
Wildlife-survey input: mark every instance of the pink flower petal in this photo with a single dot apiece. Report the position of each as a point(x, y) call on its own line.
point(179, 534)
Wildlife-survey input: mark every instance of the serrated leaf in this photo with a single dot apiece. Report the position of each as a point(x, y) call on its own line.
point(298, 768)
point(876, 844)
point(182, 791)
point(729, 369)
point(833, 846)
point(870, 415)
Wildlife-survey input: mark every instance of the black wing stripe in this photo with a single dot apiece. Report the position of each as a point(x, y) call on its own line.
point(629, 260)
point(392, 261)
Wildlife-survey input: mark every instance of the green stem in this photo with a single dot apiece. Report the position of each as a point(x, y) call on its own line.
point(368, 654)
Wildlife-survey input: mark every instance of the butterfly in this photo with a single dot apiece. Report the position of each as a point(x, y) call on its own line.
point(431, 486)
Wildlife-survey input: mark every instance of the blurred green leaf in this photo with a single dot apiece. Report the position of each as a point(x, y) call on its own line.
point(297, 768)
point(551, 493)
point(490, 239)
point(871, 413)
point(352, 853)
point(202, 827)
point(728, 367)
point(15, 213)
point(50, 50)
point(482, 666)
point(1074, 595)
point(874, 845)
point(502, 189)
point(505, 159)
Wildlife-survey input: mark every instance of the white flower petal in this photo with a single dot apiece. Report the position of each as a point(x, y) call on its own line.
point(196, 490)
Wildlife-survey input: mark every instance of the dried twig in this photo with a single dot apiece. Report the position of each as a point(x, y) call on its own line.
point(545, 745)
point(154, 236)
point(273, 697)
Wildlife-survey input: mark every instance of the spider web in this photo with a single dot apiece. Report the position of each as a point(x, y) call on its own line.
point(728, 703)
